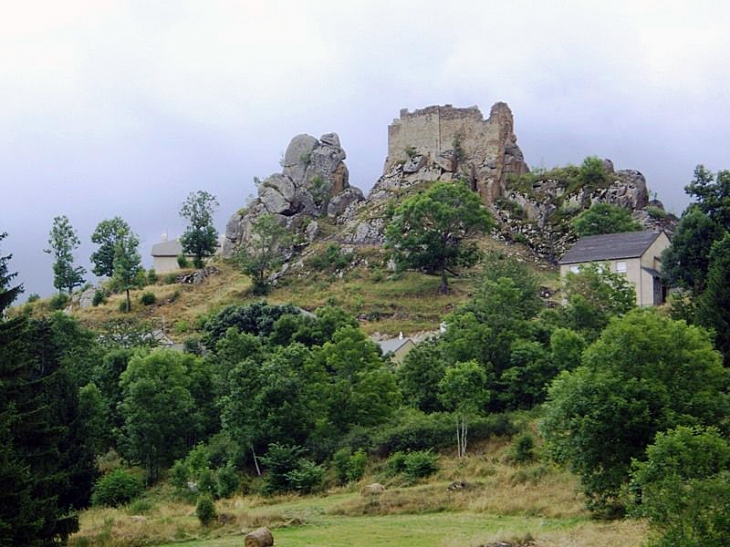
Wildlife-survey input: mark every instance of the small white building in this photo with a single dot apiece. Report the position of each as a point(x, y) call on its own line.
point(164, 255)
point(637, 255)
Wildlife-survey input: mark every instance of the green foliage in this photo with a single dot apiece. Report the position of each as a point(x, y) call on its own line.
point(523, 448)
point(604, 218)
point(307, 477)
point(348, 466)
point(228, 480)
point(713, 306)
point(657, 213)
point(182, 262)
point(686, 262)
point(147, 298)
point(200, 238)
point(434, 230)
point(594, 295)
point(645, 374)
point(62, 242)
point(157, 408)
point(396, 464)
point(59, 301)
point(117, 488)
point(257, 319)
point(107, 236)
point(419, 465)
point(593, 173)
point(152, 276)
point(683, 487)
point(8, 294)
point(332, 259)
point(205, 510)
point(463, 389)
point(264, 253)
point(46, 460)
point(99, 297)
point(419, 374)
point(712, 193)
point(281, 460)
point(33, 297)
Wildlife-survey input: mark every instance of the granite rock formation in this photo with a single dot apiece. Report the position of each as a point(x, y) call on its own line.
point(313, 183)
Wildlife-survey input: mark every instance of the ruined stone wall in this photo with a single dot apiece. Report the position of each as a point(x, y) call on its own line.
point(436, 129)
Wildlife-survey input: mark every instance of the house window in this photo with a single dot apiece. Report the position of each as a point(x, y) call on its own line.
point(575, 269)
point(621, 267)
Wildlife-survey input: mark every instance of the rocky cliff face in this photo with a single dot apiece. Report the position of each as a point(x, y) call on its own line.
point(438, 143)
point(313, 184)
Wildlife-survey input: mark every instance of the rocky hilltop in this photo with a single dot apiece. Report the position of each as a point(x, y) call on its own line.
point(313, 199)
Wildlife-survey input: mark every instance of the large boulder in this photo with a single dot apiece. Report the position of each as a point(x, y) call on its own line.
point(314, 182)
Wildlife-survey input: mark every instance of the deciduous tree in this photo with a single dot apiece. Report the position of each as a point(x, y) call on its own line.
point(264, 253)
point(62, 242)
point(646, 374)
point(604, 218)
point(434, 230)
point(107, 235)
point(200, 238)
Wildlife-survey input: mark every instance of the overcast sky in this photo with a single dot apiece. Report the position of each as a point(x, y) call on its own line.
point(123, 108)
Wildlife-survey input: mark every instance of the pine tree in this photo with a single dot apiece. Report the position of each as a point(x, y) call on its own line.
point(7, 293)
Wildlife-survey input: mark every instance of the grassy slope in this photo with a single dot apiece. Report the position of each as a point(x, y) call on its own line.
point(505, 503)
point(385, 303)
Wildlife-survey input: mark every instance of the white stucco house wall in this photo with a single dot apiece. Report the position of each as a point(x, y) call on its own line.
point(637, 255)
point(164, 256)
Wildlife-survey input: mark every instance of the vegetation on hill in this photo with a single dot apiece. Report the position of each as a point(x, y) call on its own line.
point(291, 396)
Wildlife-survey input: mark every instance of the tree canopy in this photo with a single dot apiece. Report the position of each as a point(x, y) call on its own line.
point(107, 235)
point(264, 253)
point(604, 218)
point(200, 238)
point(434, 230)
point(62, 242)
point(8, 294)
point(645, 374)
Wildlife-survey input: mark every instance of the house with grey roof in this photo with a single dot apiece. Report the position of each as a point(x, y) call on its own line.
point(637, 255)
point(164, 255)
point(397, 348)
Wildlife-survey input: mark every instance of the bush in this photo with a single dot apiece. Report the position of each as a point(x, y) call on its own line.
point(420, 464)
point(182, 262)
point(205, 510)
point(331, 259)
point(396, 464)
point(228, 481)
point(59, 301)
point(349, 467)
point(99, 297)
point(523, 449)
point(123, 306)
point(306, 478)
point(412, 430)
point(151, 276)
point(34, 297)
point(170, 279)
point(148, 298)
point(117, 488)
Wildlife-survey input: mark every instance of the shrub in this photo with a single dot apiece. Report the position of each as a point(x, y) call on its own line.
point(306, 478)
point(123, 306)
point(116, 488)
point(205, 510)
point(420, 464)
point(170, 279)
point(99, 297)
point(356, 466)
point(192, 345)
point(141, 506)
point(33, 298)
point(151, 276)
point(331, 259)
point(182, 262)
point(228, 481)
point(148, 298)
point(657, 213)
point(523, 449)
point(59, 301)
point(348, 466)
point(396, 464)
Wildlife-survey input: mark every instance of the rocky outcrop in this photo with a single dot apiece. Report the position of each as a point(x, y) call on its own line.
point(539, 215)
point(314, 182)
